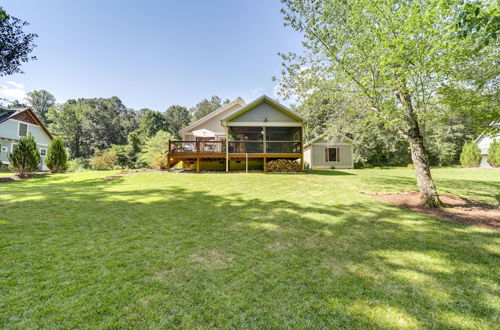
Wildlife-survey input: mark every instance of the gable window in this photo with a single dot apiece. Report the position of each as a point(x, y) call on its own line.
point(43, 152)
point(23, 129)
point(332, 154)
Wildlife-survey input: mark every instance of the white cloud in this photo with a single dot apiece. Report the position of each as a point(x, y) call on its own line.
point(12, 90)
point(258, 92)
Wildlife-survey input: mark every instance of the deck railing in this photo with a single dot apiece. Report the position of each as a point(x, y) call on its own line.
point(237, 146)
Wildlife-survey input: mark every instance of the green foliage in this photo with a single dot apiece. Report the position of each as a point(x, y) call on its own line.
point(160, 161)
point(471, 155)
point(15, 44)
point(177, 117)
point(25, 157)
point(206, 106)
point(57, 158)
point(151, 122)
point(78, 165)
point(155, 146)
point(494, 153)
point(104, 161)
point(41, 101)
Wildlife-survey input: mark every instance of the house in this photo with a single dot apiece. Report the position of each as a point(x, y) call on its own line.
point(329, 151)
point(15, 124)
point(483, 142)
point(240, 136)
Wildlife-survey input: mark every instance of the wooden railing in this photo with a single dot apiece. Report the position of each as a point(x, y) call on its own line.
point(238, 146)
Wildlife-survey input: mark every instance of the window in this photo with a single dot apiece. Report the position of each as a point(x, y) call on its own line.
point(23, 129)
point(3, 149)
point(13, 147)
point(43, 152)
point(332, 154)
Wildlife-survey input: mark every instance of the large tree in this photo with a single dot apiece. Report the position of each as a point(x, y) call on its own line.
point(390, 56)
point(40, 101)
point(177, 117)
point(206, 106)
point(151, 122)
point(15, 44)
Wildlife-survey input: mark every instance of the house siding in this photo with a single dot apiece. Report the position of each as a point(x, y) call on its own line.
point(315, 155)
point(213, 124)
point(264, 113)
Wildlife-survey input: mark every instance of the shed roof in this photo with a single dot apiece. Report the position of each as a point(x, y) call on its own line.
point(309, 143)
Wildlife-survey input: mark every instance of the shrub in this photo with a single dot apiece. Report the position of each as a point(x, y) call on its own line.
point(160, 161)
point(471, 155)
point(57, 159)
point(78, 164)
point(494, 154)
point(25, 157)
point(410, 166)
point(158, 144)
point(104, 161)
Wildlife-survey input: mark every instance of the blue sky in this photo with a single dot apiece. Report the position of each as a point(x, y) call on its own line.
point(152, 53)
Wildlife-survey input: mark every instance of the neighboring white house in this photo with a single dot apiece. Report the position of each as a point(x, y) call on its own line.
point(14, 124)
point(483, 142)
point(329, 151)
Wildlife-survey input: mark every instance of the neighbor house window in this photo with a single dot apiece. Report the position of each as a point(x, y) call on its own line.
point(23, 129)
point(43, 152)
point(332, 154)
point(3, 149)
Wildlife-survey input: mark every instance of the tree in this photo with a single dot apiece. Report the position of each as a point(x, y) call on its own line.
point(41, 101)
point(177, 117)
point(494, 153)
point(471, 155)
point(57, 158)
point(390, 56)
point(157, 145)
point(67, 123)
point(25, 157)
point(152, 122)
point(206, 106)
point(15, 44)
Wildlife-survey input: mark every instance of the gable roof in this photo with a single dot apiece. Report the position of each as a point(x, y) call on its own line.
point(319, 137)
point(9, 113)
point(255, 103)
point(211, 115)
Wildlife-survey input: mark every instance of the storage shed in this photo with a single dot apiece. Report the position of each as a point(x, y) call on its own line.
point(329, 151)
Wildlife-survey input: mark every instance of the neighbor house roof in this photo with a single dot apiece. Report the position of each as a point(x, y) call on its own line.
point(319, 137)
point(211, 115)
point(10, 113)
point(260, 100)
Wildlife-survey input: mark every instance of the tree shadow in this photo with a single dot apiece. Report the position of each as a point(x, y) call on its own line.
point(191, 256)
point(328, 172)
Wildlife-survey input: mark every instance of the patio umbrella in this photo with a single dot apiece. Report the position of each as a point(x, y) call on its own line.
point(203, 133)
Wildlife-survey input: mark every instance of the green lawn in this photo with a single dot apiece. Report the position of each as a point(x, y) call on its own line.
point(243, 250)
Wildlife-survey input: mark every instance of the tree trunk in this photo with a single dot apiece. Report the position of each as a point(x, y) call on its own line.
point(414, 136)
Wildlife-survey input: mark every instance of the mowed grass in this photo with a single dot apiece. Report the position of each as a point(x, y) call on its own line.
point(243, 250)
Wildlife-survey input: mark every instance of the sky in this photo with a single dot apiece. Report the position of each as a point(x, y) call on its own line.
point(152, 54)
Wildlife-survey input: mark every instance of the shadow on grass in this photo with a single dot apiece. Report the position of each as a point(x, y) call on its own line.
point(174, 256)
point(328, 172)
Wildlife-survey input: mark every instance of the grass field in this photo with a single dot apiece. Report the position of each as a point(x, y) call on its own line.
point(243, 250)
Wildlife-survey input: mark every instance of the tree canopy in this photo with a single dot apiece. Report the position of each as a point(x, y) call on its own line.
point(15, 44)
point(41, 101)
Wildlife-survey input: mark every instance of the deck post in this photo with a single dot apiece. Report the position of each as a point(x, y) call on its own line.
point(246, 162)
point(197, 164)
point(302, 162)
point(227, 148)
point(265, 164)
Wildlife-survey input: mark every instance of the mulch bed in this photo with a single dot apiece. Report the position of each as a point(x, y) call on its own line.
point(17, 177)
point(456, 209)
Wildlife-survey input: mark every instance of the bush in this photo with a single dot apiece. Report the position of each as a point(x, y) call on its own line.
point(494, 154)
point(78, 164)
point(160, 161)
point(158, 144)
point(57, 159)
point(410, 166)
point(104, 161)
point(471, 155)
point(25, 157)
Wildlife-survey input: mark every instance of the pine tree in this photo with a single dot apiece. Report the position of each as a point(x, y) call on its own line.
point(471, 155)
point(57, 158)
point(25, 157)
point(494, 154)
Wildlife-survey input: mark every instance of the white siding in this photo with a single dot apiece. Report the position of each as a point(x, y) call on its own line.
point(315, 155)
